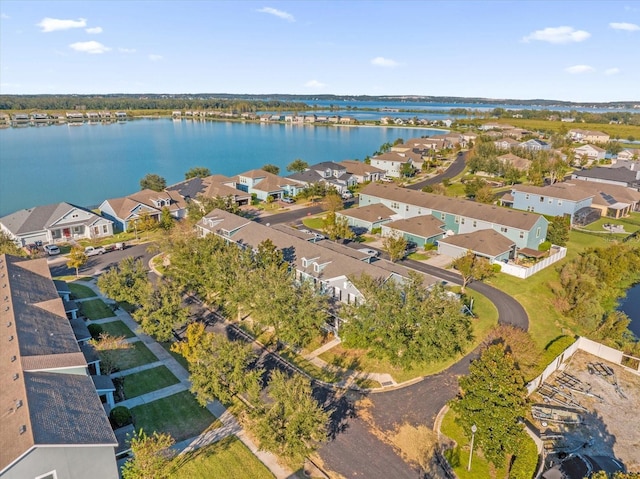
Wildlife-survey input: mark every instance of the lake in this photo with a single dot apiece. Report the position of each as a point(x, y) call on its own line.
point(88, 163)
point(630, 305)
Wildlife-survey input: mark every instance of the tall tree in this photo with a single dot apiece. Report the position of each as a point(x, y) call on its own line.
point(151, 456)
point(297, 166)
point(558, 231)
point(77, 258)
point(166, 220)
point(472, 268)
point(336, 227)
point(154, 182)
point(162, 311)
point(493, 397)
point(219, 368)
point(270, 168)
point(197, 172)
point(395, 246)
point(292, 423)
point(8, 246)
point(126, 282)
point(332, 202)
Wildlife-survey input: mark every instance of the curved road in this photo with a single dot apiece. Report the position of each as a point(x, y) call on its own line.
point(454, 169)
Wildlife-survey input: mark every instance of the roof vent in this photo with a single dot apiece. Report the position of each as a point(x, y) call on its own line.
point(16, 376)
point(19, 403)
point(9, 323)
point(13, 359)
point(10, 338)
point(23, 429)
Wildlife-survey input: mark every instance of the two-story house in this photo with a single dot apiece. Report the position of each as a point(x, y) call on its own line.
point(590, 153)
point(535, 145)
point(614, 176)
point(214, 186)
point(53, 423)
point(264, 185)
point(333, 174)
point(361, 171)
point(587, 136)
point(126, 210)
point(526, 230)
point(393, 162)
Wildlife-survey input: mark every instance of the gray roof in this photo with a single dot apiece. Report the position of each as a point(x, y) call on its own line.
point(423, 226)
point(370, 213)
point(55, 419)
point(39, 218)
point(487, 242)
point(622, 175)
point(454, 206)
point(80, 329)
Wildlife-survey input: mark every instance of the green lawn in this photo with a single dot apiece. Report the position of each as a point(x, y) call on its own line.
point(117, 329)
point(95, 309)
point(226, 459)
point(178, 357)
point(487, 318)
point(136, 355)
point(149, 380)
point(313, 223)
point(179, 415)
point(81, 291)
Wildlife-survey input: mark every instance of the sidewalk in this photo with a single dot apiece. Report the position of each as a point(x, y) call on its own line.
point(230, 424)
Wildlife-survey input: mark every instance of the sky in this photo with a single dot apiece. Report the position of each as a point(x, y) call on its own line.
point(585, 51)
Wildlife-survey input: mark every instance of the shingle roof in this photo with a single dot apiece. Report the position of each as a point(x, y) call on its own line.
point(47, 408)
point(612, 174)
point(359, 168)
point(455, 206)
point(423, 226)
point(369, 213)
point(488, 242)
point(565, 191)
point(39, 218)
point(210, 187)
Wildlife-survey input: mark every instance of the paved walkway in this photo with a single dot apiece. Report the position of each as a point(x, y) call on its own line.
point(230, 424)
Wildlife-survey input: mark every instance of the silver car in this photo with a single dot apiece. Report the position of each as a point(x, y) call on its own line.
point(51, 249)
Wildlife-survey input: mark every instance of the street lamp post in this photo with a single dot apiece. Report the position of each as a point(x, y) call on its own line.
point(473, 435)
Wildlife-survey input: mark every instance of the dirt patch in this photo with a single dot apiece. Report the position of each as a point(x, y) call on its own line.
point(605, 398)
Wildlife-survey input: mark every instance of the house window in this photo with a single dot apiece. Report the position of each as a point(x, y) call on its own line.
point(503, 229)
point(521, 234)
point(48, 475)
point(105, 229)
point(550, 201)
point(457, 220)
point(542, 199)
point(462, 221)
point(406, 208)
point(559, 202)
point(526, 197)
point(538, 232)
point(395, 205)
point(442, 215)
point(475, 223)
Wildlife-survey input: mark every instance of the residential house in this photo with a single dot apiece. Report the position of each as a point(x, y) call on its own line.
point(53, 422)
point(485, 243)
point(560, 199)
point(362, 171)
point(421, 230)
point(495, 126)
point(214, 186)
point(506, 143)
point(328, 265)
point(632, 154)
point(613, 176)
point(469, 136)
point(590, 153)
point(517, 162)
point(392, 162)
point(55, 223)
point(581, 201)
point(264, 184)
point(328, 172)
point(126, 210)
point(458, 215)
point(75, 116)
point(368, 217)
point(588, 136)
point(535, 145)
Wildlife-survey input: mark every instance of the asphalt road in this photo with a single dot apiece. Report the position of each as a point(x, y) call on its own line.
point(454, 170)
point(58, 264)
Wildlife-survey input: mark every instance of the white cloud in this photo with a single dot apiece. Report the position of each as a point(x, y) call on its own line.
point(91, 47)
point(384, 62)
point(54, 24)
point(127, 50)
point(155, 58)
point(278, 13)
point(93, 30)
point(612, 71)
point(315, 84)
point(576, 69)
point(629, 27)
point(558, 35)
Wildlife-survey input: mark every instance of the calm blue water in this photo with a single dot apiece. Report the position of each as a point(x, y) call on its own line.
point(630, 304)
point(86, 164)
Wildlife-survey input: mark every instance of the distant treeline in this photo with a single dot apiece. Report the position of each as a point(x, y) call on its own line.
point(141, 102)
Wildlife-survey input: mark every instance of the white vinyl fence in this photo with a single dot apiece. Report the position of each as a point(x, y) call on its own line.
point(524, 272)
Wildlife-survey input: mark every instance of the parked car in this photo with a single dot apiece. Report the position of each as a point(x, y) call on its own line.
point(288, 200)
point(369, 251)
point(51, 249)
point(411, 247)
point(347, 195)
point(318, 236)
point(91, 251)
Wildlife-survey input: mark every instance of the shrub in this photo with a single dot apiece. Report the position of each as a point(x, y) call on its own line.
point(446, 182)
point(496, 267)
point(121, 416)
point(95, 330)
point(376, 231)
point(546, 246)
point(430, 247)
point(526, 460)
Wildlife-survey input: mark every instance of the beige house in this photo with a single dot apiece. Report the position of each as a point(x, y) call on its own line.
point(362, 171)
point(588, 136)
point(506, 143)
point(589, 152)
point(515, 161)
